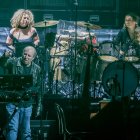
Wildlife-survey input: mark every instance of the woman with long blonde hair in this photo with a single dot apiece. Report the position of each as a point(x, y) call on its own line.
point(126, 36)
point(23, 32)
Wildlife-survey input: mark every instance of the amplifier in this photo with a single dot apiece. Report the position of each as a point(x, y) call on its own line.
point(45, 129)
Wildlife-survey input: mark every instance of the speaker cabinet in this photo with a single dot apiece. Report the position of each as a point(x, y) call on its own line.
point(45, 129)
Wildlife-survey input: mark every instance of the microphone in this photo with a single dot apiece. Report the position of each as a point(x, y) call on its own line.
point(75, 2)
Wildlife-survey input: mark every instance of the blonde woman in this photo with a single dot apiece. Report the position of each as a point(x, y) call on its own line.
point(22, 33)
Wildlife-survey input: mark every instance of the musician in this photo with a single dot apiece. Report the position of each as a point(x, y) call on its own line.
point(125, 37)
point(22, 33)
point(19, 125)
point(137, 36)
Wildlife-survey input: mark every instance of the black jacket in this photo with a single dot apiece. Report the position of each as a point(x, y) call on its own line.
point(126, 44)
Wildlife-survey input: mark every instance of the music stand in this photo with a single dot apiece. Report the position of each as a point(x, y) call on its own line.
point(16, 82)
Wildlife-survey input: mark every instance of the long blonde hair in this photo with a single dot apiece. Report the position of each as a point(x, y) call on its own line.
point(137, 35)
point(17, 16)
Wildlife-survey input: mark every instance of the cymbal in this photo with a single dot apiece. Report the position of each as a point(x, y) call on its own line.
point(88, 25)
point(46, 23)
point(70, 31)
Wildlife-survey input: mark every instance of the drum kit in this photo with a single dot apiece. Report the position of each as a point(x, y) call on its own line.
point(112, 75)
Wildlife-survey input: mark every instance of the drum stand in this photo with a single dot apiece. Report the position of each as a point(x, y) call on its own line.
point(75, 49)
point(114, 87)
point(89, 53)
point(96, 90)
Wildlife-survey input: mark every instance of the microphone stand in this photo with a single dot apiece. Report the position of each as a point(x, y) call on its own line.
point(48, 59)
point(75, 48)
point(50, 75)
point(42, 83)
point(75, 58)
point(41, 96)
point(85, 94)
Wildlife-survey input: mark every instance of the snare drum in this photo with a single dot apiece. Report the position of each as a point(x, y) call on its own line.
point(131, 58)
point(123, 75)
point(107, 52)
point(131, 55)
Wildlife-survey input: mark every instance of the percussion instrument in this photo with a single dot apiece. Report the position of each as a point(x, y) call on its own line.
point(88, 25)
point(132, 54)
point(58, 55)
point(121, 77)
point(107, 52)
point(46, 23)
point(131, 58)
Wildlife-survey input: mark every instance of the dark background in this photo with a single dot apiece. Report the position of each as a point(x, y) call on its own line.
point(110, 13)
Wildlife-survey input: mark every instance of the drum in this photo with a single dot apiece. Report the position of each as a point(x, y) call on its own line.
point(60, 48)
point(120, 78)
point(83, 45)
point(58, 55)
point(107, 52)
point(100, 67)
point(131, 55)
point(131, 58)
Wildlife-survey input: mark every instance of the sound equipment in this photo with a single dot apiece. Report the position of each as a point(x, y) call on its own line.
point(48, 129)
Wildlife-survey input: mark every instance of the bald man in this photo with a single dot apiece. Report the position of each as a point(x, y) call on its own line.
point(19, 125)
